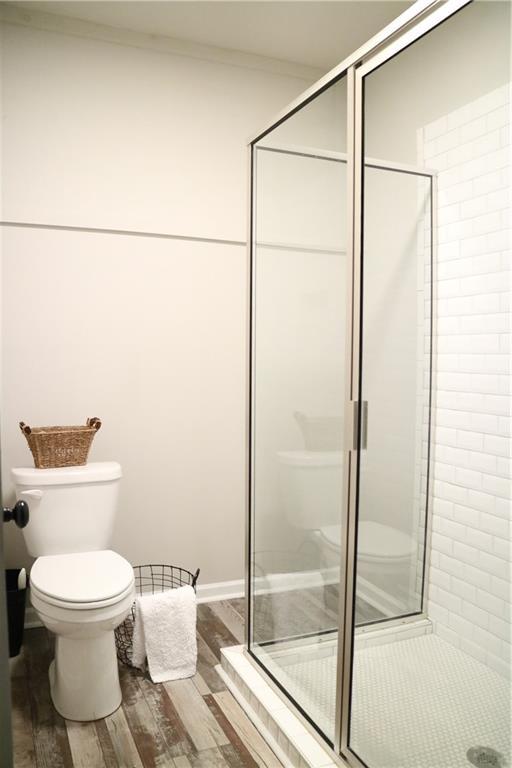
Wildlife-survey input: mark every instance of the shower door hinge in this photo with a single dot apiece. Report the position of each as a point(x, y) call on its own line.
point(356, 428)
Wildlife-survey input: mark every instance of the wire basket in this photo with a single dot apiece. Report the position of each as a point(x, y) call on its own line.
point(148, 580)
point(60, 446)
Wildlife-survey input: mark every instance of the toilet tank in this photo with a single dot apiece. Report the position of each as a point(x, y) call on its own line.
point(72, 509)
point(310, 487)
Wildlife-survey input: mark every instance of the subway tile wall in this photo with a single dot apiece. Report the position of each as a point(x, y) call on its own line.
point(470, 569)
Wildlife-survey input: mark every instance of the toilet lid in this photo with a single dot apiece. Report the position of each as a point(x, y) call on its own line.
point(375, 540)
point(82, 577)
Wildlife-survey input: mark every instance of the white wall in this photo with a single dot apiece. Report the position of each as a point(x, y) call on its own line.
point(451, 76)
point(470, 593)
point(300, 328)
point(190, 181)
point(444, 103)
point(299, 331)
point(146, 332)
point(120, 137)
point(394, 366)
point(466, 56)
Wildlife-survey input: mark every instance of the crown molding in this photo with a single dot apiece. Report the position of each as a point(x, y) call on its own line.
point(10, 13)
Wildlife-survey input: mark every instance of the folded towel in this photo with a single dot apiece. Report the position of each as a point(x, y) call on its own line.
point(165, 633)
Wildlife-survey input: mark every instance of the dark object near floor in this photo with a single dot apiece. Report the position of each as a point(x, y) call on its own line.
point(15, 610)
point(485, 757)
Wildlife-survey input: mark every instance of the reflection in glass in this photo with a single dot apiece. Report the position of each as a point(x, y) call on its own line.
point(396, 385)
point(299, 344)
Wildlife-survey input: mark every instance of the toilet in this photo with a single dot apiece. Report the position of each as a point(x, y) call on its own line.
point(311, 484)
point(385, 557)
point(80, 589)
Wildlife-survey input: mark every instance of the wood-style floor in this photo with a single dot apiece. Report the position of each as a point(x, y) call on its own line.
point(194, 723)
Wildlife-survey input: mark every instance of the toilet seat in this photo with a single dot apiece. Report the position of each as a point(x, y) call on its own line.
point(82, 580)
point(82, 598)
point(376, 541)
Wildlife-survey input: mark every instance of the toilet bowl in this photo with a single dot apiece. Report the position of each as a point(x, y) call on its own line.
point(82, 598)
point(80, 589)
point(385, 555)
point(311, 485)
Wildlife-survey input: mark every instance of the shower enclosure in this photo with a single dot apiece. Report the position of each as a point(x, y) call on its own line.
point(343, 238)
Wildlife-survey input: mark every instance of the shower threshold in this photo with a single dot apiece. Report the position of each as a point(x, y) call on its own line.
point(283, 731)
point(436, 724)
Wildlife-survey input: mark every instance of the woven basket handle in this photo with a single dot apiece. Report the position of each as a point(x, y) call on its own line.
point(94, 422)
point(25, 428)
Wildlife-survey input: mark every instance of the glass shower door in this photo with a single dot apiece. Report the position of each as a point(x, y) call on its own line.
point(394, 457)
point(423, 689)
point(300, 288)
point(387, 632)
point(395, 388)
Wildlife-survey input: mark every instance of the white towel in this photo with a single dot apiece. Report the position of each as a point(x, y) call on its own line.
point(165, 633)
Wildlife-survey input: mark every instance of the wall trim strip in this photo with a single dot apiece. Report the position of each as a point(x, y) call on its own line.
point(128, 232)
point(66, 25)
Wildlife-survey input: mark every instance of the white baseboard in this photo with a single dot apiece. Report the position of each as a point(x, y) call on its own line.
point(274, 583)
point(227, 590)
point(286, 582)
point(221, 590)
point(387, 604)
point(206, 593)
point(31, 618)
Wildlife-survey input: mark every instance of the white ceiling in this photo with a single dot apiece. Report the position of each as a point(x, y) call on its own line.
point(317, 33)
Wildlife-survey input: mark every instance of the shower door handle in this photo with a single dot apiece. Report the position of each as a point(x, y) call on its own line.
point(356, 427)
point(364, 425)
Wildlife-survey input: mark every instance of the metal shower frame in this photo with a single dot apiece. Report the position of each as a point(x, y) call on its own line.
point(410, 26)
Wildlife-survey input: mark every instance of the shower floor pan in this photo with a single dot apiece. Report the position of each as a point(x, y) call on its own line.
point(417, 703)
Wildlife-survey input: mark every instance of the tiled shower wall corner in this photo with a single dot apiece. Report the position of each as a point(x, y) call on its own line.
point(471, 554)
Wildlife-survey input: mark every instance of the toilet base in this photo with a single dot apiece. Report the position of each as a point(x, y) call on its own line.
point(84, 677)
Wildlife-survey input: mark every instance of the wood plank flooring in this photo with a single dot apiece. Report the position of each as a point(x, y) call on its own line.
point(281, 615)
point(193, 723)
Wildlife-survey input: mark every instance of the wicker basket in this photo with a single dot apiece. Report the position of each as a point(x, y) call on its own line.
point(60, 446)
